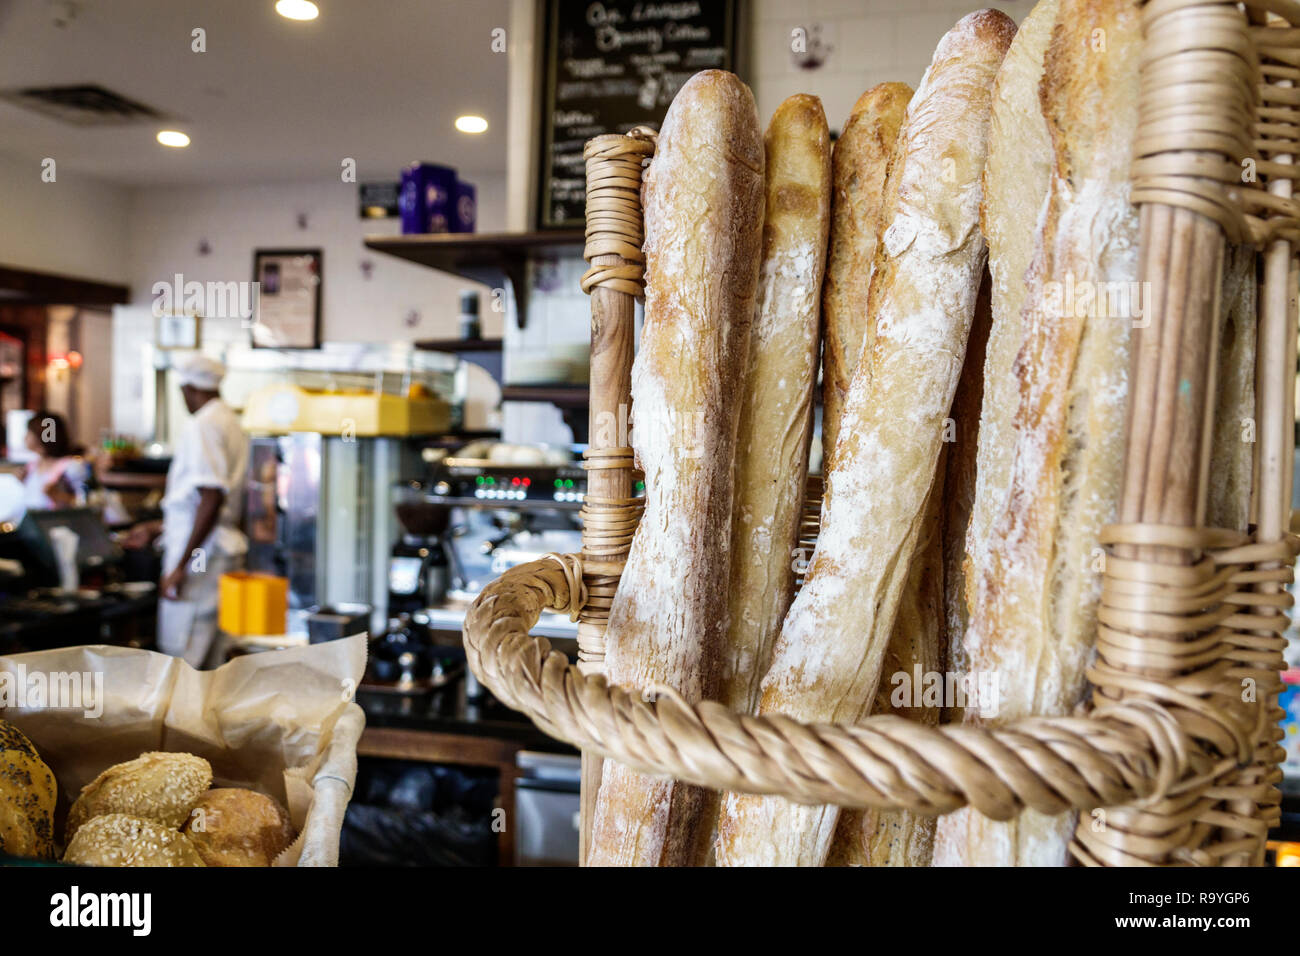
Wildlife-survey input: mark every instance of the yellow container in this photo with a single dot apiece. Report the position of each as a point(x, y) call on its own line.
point(279, 409)
point(253, 604)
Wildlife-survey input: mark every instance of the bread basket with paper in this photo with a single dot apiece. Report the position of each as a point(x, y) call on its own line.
point(1038, 613)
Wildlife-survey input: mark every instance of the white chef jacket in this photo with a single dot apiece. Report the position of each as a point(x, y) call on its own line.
point(212, 452)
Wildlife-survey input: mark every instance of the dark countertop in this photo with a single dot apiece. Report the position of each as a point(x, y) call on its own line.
point(448, 711)
point(43, 622)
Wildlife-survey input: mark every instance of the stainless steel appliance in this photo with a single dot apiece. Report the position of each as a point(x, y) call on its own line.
point(505, 515)
point(418, 567)
point(547, 809)
point(317, 511)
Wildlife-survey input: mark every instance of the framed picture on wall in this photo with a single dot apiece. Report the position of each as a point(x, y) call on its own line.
point(287, 314)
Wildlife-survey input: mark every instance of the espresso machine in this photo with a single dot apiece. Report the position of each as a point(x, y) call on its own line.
point(471, 520)
point(505, 515)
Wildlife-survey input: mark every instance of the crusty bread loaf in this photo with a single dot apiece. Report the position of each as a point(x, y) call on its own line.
point(1232, 454)
point(230, 826)
point(703, 225)
point(960, 482)
point(11, 738)
point(776, 414)
point(116, 839)
point(932, 608)
point(154, 786)
point(1015, 190)
point(827, 659)
point(28, 793)
point(859, 163)
point(1034, 588)
point(900, 837)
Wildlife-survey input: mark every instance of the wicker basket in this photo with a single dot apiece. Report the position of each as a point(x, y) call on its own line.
point(1179, 741)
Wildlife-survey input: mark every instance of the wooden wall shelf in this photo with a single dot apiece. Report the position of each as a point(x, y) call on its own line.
point(492, 258)
point(564, 396)
point(457, 346)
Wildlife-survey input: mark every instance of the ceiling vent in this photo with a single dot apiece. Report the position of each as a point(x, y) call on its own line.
point(83, 105)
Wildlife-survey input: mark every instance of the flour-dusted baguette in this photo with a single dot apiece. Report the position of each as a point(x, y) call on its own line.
point(703, 226)
point(828, 657)
point(859, 163)
point(1232, 454)
point(932, 608)
point(900, 837)
point(776, 411)
point(1036, 586)
point(1015, 190)
point(960, 482)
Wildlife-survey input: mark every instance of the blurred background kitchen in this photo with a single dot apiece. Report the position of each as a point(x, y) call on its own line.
point(366, 218)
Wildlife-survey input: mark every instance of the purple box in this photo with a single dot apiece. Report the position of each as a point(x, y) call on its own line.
point(428, 198)
point(465, 210)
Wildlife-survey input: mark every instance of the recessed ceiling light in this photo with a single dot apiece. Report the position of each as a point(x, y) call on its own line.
point(297, 9)
point(173, 137)
point(471, 124)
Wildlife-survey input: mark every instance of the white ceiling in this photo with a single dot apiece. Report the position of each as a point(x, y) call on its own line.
point(380, 81)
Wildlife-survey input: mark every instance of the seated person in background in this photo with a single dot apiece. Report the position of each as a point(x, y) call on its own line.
point(56, 479)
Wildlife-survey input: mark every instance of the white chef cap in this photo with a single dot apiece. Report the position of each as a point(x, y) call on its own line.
point(199, 370)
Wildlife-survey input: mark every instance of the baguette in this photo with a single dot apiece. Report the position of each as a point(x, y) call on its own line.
point(1015, 191)
point(960, 482)
point(900, 837)
point(827, 659)
point(933, 607)
point(776, 414)
point(859, 163)
point(1034, 590)
point(703, 198)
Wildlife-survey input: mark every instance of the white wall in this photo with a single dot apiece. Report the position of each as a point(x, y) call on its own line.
point(74, 225)
point(166, 226)
point(871, 41)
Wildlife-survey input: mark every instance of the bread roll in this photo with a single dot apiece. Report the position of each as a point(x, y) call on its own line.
point(162, 787)
point(1232, 455)
point(18, 838)
point(28, 793)
point(776, 414)
point(11, 738)
point(859, 162)
point(827, 660)
point(703, 225)
point(116, 839)
point(233, 827)
point(1034, 588)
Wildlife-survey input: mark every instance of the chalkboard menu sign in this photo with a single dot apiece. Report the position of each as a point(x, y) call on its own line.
point(613, 65)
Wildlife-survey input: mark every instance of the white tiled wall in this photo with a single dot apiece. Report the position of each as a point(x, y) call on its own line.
point(870, 42)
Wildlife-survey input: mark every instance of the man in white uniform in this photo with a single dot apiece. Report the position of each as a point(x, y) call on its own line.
point(201, 509)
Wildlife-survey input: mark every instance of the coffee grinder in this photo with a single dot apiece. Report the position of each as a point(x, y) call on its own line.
point(418, 569)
